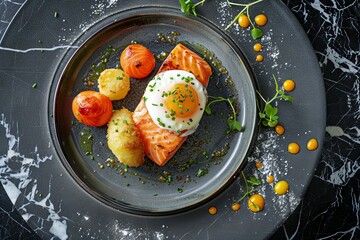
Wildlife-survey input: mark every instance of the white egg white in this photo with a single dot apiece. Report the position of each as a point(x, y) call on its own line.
point(155, 96)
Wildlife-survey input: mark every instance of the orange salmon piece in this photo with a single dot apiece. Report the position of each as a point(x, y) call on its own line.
point(161, 144)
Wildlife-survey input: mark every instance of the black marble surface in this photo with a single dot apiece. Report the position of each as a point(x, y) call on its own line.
point(331, 206)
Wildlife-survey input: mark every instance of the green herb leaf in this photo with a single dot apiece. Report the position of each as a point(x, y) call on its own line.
point(208, 109)
point(254, 181)
point(270, 110)
point(202, 172)
point(280, 92)
point(188, 7)
point(272, 123)
point(255, 206)
point(268, 115)
point(287, 98)
point(256, 33)
point(234, 125)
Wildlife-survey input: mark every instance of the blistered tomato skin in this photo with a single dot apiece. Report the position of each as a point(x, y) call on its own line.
point(137, 61)
point(92, 108)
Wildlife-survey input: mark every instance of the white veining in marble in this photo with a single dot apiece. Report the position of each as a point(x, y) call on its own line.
point(38, 49)
point(17, 181)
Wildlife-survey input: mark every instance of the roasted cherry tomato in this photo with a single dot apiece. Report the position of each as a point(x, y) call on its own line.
point(137, 61)
point(92, 108)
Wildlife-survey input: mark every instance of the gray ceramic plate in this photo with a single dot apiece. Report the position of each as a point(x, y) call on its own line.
point(54, 187)
point(147, 188)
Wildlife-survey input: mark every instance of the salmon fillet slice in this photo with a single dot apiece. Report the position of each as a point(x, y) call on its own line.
point(161, 144)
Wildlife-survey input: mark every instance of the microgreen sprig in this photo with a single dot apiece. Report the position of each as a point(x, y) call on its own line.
point(188, 7)
point(233, 124)
point(268, 115)
point(253, 182)
point(255, 32)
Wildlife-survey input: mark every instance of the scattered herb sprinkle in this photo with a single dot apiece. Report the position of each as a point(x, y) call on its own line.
point(202, 172)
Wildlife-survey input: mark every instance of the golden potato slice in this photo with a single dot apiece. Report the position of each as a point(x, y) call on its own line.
point(114, 83)
point(124, 139)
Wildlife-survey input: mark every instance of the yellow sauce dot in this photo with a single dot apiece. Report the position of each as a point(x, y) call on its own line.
point(279, 129)
point(256, 203)
point(281, 187)
point(259, 58)
point(293, 148)
point(235, 207)
point(258, 164)
point(289, 85)
point(244, 21)
point(270, 179)
point(257, 47)
point(212, 210)
point(312, 144)
point(261, 20)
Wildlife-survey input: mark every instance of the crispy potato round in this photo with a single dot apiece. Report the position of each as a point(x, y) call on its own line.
point(124, 139)
point(114, 83)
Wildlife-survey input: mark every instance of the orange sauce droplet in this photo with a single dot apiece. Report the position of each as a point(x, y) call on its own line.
point(293, 148)
point(235, 207)
point(281, 187)
point(261, 20)
point(256, 203)
point(312, 144)
point(258, 164)
point(279, 129)
point(270, 179)
point(257, 47)
point(259, 58)
point(212, 210)
point(244, 21)
point(289, 85)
